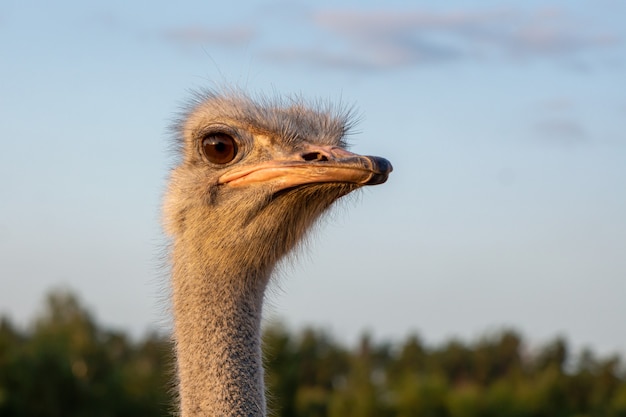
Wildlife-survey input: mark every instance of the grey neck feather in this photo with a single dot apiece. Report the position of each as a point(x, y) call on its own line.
point(217, 331)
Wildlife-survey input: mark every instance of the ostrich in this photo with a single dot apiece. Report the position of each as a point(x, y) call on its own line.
point(251, 179)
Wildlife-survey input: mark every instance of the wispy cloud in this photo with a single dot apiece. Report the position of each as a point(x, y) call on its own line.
point(556, 122)
point(376, 57)
point(563, 131)
point(325, 58)
point(358, 39)
point(227, 36)
point(557, 104)
point(387, 39)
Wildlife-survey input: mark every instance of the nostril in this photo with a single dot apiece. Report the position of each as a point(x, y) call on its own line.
point(314, 156)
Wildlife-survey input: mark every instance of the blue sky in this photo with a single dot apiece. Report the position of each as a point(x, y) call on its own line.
point(505, 122)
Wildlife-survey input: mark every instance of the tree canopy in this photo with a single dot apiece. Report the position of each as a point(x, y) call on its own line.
point(66, 364)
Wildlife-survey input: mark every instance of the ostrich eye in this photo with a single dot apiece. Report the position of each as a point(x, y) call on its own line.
point(219, 148)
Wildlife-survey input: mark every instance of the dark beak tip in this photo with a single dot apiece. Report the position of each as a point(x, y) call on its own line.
point(382, 167)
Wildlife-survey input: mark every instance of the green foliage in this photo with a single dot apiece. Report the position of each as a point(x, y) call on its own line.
point(68, 365)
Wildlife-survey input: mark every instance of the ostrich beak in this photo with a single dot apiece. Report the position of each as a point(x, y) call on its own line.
point(316, 164)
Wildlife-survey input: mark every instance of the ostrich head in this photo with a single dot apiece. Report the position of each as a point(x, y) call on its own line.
point(254, 176)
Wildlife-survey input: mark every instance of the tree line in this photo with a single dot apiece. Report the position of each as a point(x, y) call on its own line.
point(65, 364)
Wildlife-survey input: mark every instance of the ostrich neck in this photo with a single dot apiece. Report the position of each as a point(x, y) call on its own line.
point(217, 330)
